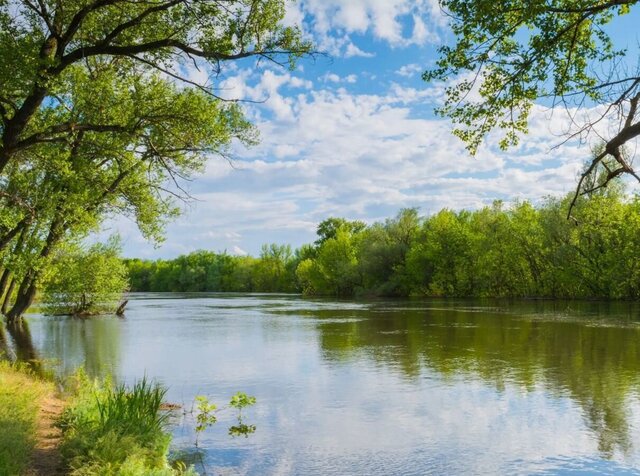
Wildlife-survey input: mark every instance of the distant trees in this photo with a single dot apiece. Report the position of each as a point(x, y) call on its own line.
point(499, 251)
point(516, 250)
point(273, 271)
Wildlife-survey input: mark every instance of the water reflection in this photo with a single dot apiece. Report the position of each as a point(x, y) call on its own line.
point(403, 387)
point(20, 347)
point(594, 362)
point(93, 344)
point(4, 345)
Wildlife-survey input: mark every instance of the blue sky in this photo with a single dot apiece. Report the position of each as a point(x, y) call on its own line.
point(353, 134)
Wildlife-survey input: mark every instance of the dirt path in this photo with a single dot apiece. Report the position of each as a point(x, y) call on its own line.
point(46, 459)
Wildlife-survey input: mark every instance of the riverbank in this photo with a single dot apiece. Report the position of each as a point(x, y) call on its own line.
point(29, 407)
point(94, 429)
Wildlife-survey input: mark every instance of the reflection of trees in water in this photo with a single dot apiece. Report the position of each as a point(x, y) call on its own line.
point(4, 345)
point(594, 364)
point(23, 348)
point(91, 343)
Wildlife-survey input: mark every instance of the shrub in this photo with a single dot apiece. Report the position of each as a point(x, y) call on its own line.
point(86, 281)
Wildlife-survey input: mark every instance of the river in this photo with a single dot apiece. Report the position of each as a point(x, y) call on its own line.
point(385, 387)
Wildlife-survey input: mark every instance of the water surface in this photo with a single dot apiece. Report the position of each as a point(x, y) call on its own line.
point(379, 388)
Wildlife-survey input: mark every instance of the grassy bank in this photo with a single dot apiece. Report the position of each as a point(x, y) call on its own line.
point(116, 430)
point(20, 397)
point(107, 430)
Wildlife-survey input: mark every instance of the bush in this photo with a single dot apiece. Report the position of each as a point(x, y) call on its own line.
point(86, 281)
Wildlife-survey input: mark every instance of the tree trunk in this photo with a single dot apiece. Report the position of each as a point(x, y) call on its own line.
point(3, 281)
point(24, 299)
point(121, 307)
point(4, 348)
point(7, 297)
point(27, 290)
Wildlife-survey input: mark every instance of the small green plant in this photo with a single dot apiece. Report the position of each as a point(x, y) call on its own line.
point(206, 415)
point(241, 400)
point(125, 410)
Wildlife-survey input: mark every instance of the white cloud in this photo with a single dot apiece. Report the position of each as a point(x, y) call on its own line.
point(334, 78)
point(352, 50)
point(331, 77)
point(335, 21)
point(236, 250)
point(332, 152)
point(410, 70)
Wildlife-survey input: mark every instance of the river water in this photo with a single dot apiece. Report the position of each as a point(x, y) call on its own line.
point(407, 387)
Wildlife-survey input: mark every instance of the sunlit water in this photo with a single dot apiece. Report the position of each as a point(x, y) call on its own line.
point(379, 388)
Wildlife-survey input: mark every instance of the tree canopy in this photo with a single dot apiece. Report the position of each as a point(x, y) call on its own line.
point(501, 250)
point(99, 115)
point(86, 281)
point(509, 54)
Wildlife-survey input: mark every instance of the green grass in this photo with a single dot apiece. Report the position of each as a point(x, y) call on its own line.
point(20, 394)
point(116, 430)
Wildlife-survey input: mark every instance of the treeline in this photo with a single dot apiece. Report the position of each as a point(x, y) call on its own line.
point(273, 271)
point(520, 250)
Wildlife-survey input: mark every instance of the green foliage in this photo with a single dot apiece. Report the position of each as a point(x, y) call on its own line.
point(516, 250)
point(119, 430)
point(382, 254)
point(273, 271)
point(116, 430)
point(86, 281)
point(508, 54)
point(241, 400)
point(206, 415)
point(497, 251)
point(334, 271)
point(328, 228)
point(97, 117)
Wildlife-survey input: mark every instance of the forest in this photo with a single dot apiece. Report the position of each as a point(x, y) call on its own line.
point(518, 249)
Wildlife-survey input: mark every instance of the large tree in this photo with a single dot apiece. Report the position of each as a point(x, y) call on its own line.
point(99, 114)
point(509, 54)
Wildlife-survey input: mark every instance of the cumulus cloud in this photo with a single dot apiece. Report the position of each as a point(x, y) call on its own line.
point(352, 50)
point(396, 22)
point(334, 78)
point(332, 152)
point(410, 70)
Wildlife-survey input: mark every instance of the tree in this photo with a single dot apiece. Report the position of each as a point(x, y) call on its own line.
point(382, 253)
point(273, 271)
point(441, 261)
point(334, 271)
point(99, 116)
point(509, 54)
point(86, 281)
point(329, 227)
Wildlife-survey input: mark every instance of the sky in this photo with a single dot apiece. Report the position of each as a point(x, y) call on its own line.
point(352, 134)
